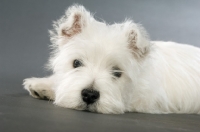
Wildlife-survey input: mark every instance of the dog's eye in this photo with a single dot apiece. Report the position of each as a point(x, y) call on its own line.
point(116, 72)
point(77, 63)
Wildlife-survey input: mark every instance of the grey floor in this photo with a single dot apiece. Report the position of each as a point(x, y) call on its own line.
point(24, 42)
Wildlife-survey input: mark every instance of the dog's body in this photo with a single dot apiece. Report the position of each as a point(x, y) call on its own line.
point(116, 69)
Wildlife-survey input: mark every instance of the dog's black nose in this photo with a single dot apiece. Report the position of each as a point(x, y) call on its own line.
point(89, 96)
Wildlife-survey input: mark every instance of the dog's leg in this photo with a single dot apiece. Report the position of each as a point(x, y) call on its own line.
point(41, 88)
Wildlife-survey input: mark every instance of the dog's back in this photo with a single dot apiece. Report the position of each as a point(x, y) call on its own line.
point(179, 66)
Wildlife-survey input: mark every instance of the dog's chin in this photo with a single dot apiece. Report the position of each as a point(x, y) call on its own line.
point(97, 108)
point(78, 106)
point(85, 107)
point(94, 108)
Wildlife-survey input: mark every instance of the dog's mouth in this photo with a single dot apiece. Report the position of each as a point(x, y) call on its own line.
point(90, 107)
point(86, 107)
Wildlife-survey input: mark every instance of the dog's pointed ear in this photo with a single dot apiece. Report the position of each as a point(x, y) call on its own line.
point(74, 21)
point(137, 37)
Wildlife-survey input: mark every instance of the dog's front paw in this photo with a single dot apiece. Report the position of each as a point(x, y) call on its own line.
point(38, 88)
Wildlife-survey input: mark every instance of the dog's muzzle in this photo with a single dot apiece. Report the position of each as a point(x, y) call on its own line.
point(89, 96)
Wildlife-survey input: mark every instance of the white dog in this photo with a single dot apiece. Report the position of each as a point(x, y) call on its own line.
point(116, 68)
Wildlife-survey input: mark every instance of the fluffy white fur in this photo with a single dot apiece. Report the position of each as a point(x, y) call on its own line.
point(157, 77)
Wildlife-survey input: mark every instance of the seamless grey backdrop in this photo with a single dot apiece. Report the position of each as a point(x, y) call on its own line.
point(24, 49)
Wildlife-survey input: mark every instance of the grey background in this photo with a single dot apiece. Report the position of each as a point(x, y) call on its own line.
point(24, 49)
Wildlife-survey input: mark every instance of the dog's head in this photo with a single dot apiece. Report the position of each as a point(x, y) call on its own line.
point(96, 64)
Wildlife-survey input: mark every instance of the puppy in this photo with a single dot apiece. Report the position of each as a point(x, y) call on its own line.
point(113, 69)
